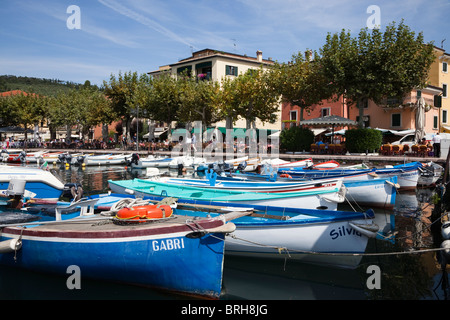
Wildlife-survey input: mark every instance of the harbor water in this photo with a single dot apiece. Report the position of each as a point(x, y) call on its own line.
point(415, 273)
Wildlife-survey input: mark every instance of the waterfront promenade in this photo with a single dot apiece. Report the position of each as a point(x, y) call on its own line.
point(372, 158)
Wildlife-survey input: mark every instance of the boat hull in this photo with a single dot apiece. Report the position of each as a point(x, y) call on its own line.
point(40, 182)
point(334, 243)
point(161, 257)
point(327, 198)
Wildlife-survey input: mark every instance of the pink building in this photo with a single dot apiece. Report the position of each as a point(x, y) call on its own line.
point(392, 114)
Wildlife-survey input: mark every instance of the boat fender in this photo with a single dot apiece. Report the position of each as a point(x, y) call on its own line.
point(445, 230)
point(285, 175)
point(369, 230)
point(145, 212)
point(446, 252)
point(227, 228)
point(396, 185)
point(10, 245)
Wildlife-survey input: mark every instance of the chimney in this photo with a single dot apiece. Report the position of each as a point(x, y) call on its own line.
point(259, 56)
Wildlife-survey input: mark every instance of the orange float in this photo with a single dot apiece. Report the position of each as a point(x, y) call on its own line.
point(285, 175)
point(145, 212)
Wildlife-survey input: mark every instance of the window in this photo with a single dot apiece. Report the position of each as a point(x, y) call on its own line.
point(444, 67)
point(231, 70)
point(396, 120)
point(324, 112)
point(293, 115)
point(185, 70)
point(365, 103)
point(444, 116)
point(444, 90)
point(435, 122)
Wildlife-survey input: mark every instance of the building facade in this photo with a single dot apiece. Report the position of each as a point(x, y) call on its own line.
point(391, 114)
point(215, 65)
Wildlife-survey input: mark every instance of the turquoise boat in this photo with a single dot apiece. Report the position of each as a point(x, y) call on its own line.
point(320, 196)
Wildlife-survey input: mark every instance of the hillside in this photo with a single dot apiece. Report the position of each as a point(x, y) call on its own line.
point(37, 85)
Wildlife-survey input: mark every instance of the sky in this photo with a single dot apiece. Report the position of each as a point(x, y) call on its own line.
point(73, 40)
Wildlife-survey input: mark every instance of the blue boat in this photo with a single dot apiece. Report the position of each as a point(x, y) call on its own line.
point(176, 253)
point(326, 237)
point(39, 183)
point(408, 174)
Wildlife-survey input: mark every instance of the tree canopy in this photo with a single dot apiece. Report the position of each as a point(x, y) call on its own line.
point(375, 64)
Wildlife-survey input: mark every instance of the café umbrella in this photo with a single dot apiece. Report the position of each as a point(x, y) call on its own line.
point(326, 121)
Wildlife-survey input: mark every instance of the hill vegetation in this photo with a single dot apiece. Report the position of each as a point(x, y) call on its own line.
point(47, 87)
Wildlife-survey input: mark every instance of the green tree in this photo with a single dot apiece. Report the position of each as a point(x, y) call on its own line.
point(127, 92)
point(198, 100)
point(301, 81)
point(162, 100)
point(27, 108)
point(376, 65)
point(250, 96)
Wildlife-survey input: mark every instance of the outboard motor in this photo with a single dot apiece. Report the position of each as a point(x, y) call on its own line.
point(242, 166)
point(68, 158)
point(134, 159)
point(69, 187)
point(22, 156)
point(15, 191)
point(61, 158)
point(79, 160)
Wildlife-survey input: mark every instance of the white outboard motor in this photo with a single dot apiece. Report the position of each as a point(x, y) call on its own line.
point(16, 188)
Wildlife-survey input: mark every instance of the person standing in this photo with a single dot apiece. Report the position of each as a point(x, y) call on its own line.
point(437, 145)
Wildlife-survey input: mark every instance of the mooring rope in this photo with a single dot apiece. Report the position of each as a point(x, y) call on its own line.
point(287, 250)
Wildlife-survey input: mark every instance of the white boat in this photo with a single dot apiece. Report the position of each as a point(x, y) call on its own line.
point(150, 161)
point(243, 164)
point(336, 238)
point(51, 157)
point(430, 174)
point(374, 192)
point(41, 183)
point(107, 159)
point(280, 163)
point(186, 161)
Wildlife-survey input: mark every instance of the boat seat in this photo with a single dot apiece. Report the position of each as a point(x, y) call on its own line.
point(83, 204)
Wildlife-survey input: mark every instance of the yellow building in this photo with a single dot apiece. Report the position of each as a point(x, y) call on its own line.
point(439, 76)
point(215, 65)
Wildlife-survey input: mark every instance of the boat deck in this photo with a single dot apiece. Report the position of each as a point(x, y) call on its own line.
point(106, 227)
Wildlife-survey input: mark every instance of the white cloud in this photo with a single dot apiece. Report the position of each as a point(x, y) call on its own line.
point(144, 21)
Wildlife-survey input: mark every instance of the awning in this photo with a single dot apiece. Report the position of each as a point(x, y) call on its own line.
point(14, 129)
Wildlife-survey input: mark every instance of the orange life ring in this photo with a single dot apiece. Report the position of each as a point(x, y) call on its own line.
point(285, 175)
point(145, 212)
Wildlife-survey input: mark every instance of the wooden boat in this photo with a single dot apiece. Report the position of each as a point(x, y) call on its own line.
point(326, 196)
point(314, 236)
point(40, 183)
point(21, 156)
point(106, 159)
point(407, 174)
point(374, 192)
point(176, 254)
